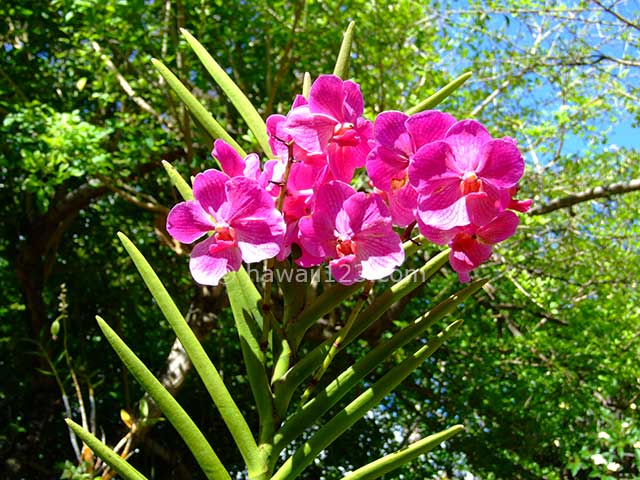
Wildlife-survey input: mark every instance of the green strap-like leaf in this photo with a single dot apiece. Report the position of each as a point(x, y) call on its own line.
point(394, 460)
point(111, 458)
point(245, 300)
point(359, 407)
point(202, 363)
point(440, 95)
point(326, 302)
point(307, 365)
point(342, 63)
point(186, 428)
point(176, 179)
point(232, 91)
point(195, 107)
point(351, 377)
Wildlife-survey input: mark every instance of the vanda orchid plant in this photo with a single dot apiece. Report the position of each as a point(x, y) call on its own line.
point(298, 211)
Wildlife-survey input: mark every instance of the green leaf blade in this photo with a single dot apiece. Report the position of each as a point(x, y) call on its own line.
point(342, 63)
point(245, 305)
point(233, 92)
point(373, 312)
point(173, 411)
point(111, 458)
point(353, 412)
point(347, 380)
point(440, 95)
point(395, 460)
point(212, 380)
point(213, 128)
point(180, 183)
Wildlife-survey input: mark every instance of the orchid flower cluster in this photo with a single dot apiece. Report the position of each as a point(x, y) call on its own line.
point(449, 177)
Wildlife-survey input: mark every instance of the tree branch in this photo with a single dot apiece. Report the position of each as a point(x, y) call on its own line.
point(126, 86)
point(570, 200)
point(617, 15)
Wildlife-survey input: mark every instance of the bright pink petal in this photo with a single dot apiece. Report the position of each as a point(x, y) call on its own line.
point(187, 222)
point(353, 102)
point(429, 126)
point(520, 205)
point(207, 268)
point(310, 131)
point(389, 131)
point(446, 218)
point(432, 163)
point(483, 206)
point(501, 163)
point(501, 228)
point(346, 270)
point(308, 260)
point(442, 194)
point(252, 166)
point(299, 101)
point(367, 212)
point(379, 251)
point(467, 253)
point(278, 136)
point(436, 235)
point(383, 165)
point(259, 239)
point(466, 139)
point(246, 199)
point(231, 162)
point(343, 161)
point(316, 236)
point(209, 190)
point(327, 96)
point(403, 204)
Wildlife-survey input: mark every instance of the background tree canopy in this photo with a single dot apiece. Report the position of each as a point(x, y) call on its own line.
point(545, 373)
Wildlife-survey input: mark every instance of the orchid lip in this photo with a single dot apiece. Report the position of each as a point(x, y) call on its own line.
point(345, 247)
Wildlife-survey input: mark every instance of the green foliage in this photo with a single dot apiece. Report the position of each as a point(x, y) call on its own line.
point(567, 283)
point(54, 147)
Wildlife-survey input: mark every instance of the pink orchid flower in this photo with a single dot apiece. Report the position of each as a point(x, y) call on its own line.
point(331, 123)
point(471, 245)
point(466, 178)
point(235, 166)
point(397, 136)
point(353, 230)
point(241, 217)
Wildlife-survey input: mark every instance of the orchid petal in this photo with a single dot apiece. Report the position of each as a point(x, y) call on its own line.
point(501, 163)
point(207, 268)
point(429, 126)
point(209, 190)
point(187, 222)
point(327, 96)
point(466, 139)
point(231, 162)
point(346, 270)
point(501, 228)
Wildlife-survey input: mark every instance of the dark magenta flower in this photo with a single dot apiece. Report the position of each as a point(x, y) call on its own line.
point(466, 178)
point(241, 217)
point(354, 231)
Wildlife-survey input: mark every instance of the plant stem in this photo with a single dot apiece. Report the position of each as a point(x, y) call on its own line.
point(337, 342)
